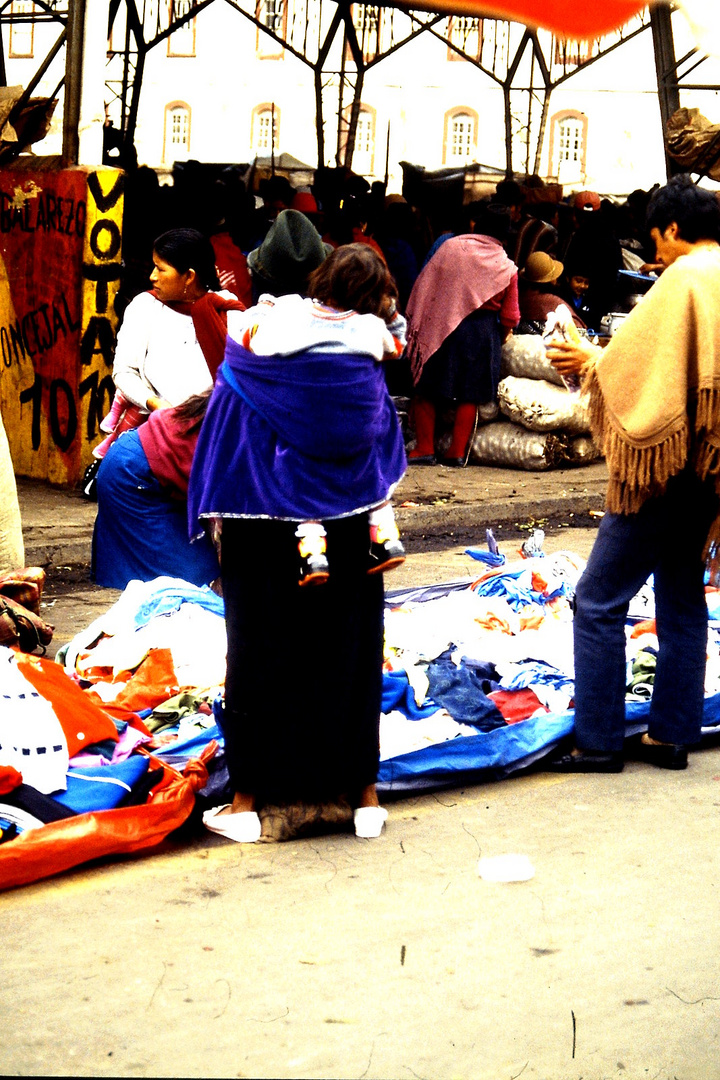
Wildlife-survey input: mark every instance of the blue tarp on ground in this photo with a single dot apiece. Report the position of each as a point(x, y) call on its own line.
point(499, 753)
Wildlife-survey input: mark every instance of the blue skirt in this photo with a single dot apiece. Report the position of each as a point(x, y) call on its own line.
point(141, 530)
point(466, 367)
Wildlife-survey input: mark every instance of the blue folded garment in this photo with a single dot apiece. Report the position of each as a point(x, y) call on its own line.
point(397, 693)
point(103, 787)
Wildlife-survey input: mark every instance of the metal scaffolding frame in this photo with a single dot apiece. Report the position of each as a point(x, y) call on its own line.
point(527, 64)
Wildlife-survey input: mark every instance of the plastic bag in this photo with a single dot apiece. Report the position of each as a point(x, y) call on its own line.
point(60, 845)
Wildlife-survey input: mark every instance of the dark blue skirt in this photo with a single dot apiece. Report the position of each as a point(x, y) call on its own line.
point(466, 367)
point(141, 530)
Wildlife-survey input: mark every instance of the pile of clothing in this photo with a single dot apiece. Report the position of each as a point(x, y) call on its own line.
point(112, 753)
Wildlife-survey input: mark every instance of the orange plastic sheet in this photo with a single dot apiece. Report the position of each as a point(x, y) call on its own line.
point(567, 18)
point(60, 845)
point(82, 721)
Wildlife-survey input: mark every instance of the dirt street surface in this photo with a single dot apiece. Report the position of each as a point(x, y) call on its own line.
point(390, 958)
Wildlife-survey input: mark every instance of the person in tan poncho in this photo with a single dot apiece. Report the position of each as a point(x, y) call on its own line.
point(655, 410)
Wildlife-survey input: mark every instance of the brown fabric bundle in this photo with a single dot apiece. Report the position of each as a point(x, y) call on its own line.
point(655, 392)
point(20, 621)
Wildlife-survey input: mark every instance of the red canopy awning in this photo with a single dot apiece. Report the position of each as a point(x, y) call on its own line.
point(568, 18)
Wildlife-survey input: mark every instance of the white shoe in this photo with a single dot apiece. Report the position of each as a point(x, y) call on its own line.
point(370, 821)
point(243, 828)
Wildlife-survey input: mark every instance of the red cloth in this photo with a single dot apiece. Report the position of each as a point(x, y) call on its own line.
point(462, 276)
point(516, 705)
point(359, 237)
point(9, 779)
point(169, 447)
point(232, 268)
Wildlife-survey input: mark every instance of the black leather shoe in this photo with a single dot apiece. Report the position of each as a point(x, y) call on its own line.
point(585, 761)
point(664, 756)
point(453, 462)
point(423, 459)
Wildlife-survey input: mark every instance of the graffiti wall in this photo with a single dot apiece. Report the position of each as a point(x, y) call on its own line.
point(60, 262)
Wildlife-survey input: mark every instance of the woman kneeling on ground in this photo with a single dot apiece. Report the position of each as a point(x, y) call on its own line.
point(169, 348)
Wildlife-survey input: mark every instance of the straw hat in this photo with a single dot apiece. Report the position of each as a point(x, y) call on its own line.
point(541, 268)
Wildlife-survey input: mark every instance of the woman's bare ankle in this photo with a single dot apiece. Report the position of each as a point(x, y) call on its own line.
point(368, 796)
point(242, 803)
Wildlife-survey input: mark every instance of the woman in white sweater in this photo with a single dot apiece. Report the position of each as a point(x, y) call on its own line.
point(160, 358)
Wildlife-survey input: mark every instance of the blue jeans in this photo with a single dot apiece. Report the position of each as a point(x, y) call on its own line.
point(665, 538)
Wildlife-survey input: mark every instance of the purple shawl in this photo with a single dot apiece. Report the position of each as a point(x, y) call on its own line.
point(301, 437)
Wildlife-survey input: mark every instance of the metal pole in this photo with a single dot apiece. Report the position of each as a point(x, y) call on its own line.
point(387, 157)
point(73, 81)
point(272, 139)
point(666, 70)
point(341, 95)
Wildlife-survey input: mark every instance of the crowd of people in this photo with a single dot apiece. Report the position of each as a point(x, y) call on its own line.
point(253, 445)
point(253, 442)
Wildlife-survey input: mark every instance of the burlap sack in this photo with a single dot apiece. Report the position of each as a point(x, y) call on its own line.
point(688, 138)
point(523, 355)
point(540, 406)
point(512, 446)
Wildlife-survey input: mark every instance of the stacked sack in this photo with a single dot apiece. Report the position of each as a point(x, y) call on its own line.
point(543, 424)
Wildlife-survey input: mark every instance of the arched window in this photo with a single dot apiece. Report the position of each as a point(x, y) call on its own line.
point(363, 157)
point(176, 144)
point(568, 146)
point(460, 137)
point(265, 129)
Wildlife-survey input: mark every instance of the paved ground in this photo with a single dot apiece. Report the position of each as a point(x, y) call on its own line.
point(337, 957)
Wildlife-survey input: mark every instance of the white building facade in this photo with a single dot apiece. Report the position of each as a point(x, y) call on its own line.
point(219, 89)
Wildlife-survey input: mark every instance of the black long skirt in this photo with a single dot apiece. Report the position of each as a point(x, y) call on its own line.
point(304, 668)
point(466, 367)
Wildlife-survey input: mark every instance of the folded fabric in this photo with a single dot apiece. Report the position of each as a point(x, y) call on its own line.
point(517, 705)
point(490, 558)
point(165, 595)
point(83, 723)
point(178, 751)
point(101, 788)
point(397, 693)
point(459, 691)
point(43, 807)
point(130, 739)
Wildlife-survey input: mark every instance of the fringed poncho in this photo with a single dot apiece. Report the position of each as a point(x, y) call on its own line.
point(655, 392)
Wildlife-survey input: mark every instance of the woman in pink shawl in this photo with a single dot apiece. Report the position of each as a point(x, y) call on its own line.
point(462, 307)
